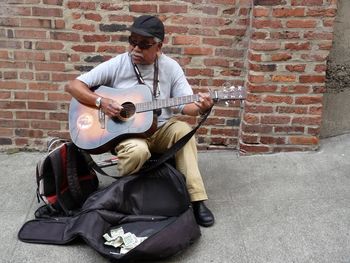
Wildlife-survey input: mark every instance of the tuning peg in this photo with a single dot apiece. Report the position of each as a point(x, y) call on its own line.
point(227, 104)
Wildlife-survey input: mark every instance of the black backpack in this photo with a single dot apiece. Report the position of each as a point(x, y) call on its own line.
point(65, 178)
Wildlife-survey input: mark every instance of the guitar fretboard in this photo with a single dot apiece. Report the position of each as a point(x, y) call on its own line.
point(164, 103)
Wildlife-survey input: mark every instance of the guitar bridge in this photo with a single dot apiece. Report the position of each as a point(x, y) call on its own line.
point(102, 119)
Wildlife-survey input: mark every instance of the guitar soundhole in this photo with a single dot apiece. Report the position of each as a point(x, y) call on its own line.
point(128, 111)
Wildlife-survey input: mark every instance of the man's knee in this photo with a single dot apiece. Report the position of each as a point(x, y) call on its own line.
point(181, 128)
point(132, 154)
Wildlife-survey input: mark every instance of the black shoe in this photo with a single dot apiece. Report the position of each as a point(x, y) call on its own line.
point(203, 215)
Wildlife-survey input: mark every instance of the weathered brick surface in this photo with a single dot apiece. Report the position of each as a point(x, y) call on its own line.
point(286, 108)
point(276, 48)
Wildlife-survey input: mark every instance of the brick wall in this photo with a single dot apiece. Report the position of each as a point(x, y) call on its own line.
point(289, 45)
point(276, 48)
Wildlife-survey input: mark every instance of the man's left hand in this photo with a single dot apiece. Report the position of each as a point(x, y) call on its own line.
point(205, 103)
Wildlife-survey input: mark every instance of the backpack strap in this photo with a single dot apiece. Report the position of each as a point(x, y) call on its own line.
point(59, 170)
point(72, 173)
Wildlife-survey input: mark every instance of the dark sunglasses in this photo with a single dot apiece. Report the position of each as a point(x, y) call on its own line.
point(142, 44)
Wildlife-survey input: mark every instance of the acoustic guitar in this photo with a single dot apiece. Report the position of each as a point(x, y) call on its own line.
point(95, 132)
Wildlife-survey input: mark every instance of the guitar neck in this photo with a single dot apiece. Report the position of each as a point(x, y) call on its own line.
point(165, 103)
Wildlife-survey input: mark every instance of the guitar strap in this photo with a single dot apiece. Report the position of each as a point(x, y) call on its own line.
point(140, 79)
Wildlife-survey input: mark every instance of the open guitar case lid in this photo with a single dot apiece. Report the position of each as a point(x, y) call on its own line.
point(153, 203)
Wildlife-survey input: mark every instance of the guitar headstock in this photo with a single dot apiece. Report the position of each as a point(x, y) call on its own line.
point(230, 93)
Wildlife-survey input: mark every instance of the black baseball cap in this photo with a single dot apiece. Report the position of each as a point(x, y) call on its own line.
point(148, 26)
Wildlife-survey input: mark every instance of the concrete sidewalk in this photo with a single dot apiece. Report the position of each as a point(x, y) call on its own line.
point(287, 207)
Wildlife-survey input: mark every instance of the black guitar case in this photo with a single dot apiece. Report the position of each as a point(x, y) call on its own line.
point(154, 203)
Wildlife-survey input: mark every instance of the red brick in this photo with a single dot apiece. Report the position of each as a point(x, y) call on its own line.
point(29, 95)
point(36, 22)
point(307, 100)
point(316, 110)
point(296, 68)
point(96, 38)
point(301, 23)
point(251, 118)
point(275, 119)
point(311, 79)
point(307, 2)
point(318, 35)
point(307, 120)
point(47, 125)
point(53, 2)
point(5, 95)
point(272, 140)
point(58, 96)
point(255, 57)
point(175, 9)
point(93, 16)
point(81, 5)
point(278, 99)
point(246, 148)
point(262, 88)
point(59, 77)
point(49, 45)
point(262, 67)
point(28, 55)
point(218, 42)
point(10, 75)
point(109, 49)
point(288, 12)
point(30, 115)
point(298, 89)
point(143, 8)
point(251, 108)
point(298, 46)
point(49, 66)
point(290, 129)
point(261, 11)
point(41, 105)
point(267, 23)
point(256, 78)
point(199, 72)
point(12, 85)
point(47, 12)
point(186, 40)
point(30, 34)
point(29, 133)
point(250, 139)
point(198, 51)
point(265, 46)
point(65, 36)
point(111, 6)
point(291, 109)
point(42, 86)
point(232, 32)
point(84, 27)
point(321, 12)
point(303, 140)
point(59, 24)
point(6, 132)
point(216, 62)
point(283, 78)
point(12, 105)
point(259, 35)
point(84, 48)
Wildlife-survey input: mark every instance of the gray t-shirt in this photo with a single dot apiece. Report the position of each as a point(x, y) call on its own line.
point(118, 72)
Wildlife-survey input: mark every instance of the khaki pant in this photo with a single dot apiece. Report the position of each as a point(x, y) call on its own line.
point(133, 153)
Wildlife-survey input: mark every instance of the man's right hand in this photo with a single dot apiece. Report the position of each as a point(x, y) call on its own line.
point(110, 107)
